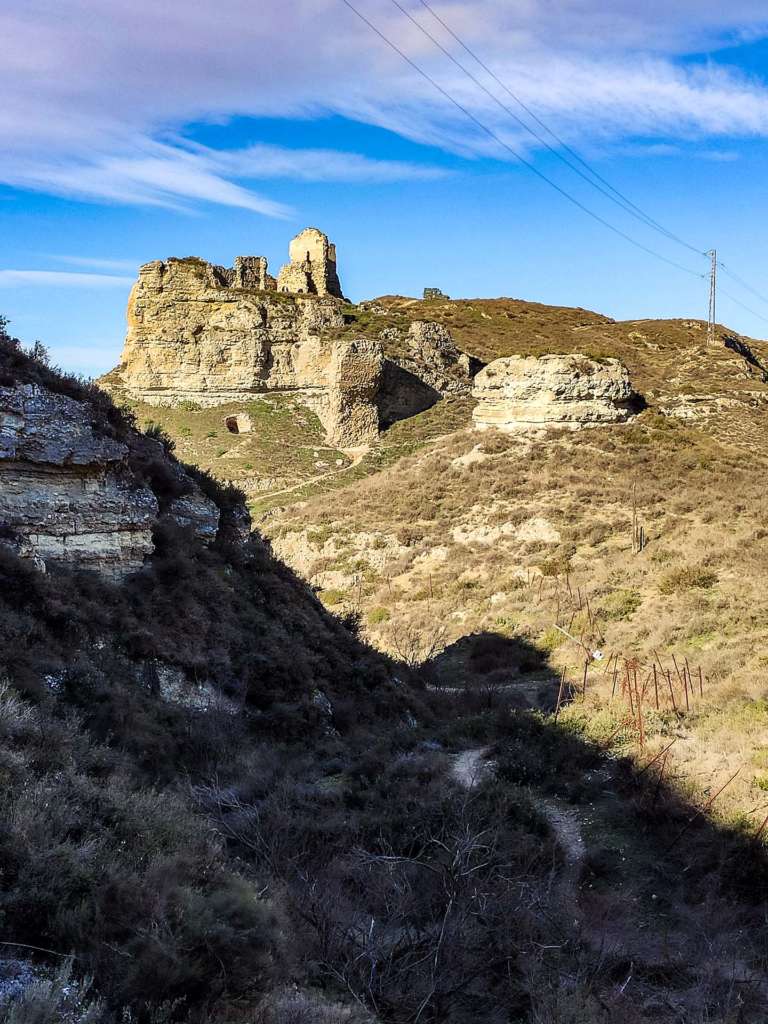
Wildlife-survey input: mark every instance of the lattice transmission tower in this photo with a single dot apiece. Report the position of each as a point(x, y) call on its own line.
point(712, 297)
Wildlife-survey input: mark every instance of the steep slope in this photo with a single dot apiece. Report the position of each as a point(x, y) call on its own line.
point(219, 805)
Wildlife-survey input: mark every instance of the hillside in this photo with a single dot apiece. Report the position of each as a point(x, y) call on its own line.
point(284, 453)
point(474, 534)
point(221, 804)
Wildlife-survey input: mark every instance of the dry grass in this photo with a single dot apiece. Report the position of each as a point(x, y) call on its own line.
point(284, 446)
point(493, 547)
point(424, 536)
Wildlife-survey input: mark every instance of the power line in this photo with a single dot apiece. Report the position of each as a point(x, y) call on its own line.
point(618, 197)
point(490, 132)
point(743, 305)
point(601, 184)
point(742, 282)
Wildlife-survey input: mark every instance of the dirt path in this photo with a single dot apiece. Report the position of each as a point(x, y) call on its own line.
point(566, 827)
point(357, 457)
point(564, 822)
point(470, 767)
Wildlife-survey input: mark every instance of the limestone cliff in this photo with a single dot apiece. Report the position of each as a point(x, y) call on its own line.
point(522, 393)
point(192, 335)
point(205, 334)
point(65, 492)
point(214, 335)
point(74, 490)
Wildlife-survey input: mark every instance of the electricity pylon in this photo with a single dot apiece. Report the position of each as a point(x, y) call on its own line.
point(712, 297)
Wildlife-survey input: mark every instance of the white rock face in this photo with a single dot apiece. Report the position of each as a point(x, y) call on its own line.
point(526, 393)
point(353, 382)
point(64, 490)
point(195, 334)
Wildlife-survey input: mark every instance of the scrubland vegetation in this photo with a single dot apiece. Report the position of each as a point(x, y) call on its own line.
point(302, 848)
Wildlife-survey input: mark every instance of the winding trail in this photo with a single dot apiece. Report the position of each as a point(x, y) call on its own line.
point(471, 766)
point(357, 456)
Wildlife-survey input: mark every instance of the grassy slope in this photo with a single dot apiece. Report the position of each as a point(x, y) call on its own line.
point(696, 591)
point(284, 447)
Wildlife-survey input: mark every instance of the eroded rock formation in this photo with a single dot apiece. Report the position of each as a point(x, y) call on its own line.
point(212, 335)
point(353, 384)
point(70, 492)
point(207, 334)
point(424, 365)
point(523, 393)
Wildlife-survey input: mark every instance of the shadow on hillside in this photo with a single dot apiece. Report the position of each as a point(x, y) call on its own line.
point(665, 905)
point(496, 662)
point(402, 394)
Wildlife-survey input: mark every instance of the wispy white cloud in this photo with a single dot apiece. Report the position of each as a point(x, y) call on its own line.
point(60, 279)
point(95, 96)
point(262, 161)
point(669, 149)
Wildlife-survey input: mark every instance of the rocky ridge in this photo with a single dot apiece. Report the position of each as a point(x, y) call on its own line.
point(209, 335)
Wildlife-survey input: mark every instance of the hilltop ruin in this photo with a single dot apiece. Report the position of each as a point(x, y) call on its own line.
point(212, 335)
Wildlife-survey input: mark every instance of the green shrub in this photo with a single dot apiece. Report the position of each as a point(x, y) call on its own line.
point(377, 615)
point(678, 581)
point(621, 604)
point(551, 639)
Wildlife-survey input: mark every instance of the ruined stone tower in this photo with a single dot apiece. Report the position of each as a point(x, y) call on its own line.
point(312, 267)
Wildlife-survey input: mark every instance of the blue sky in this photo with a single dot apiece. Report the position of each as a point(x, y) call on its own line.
point(136, 131)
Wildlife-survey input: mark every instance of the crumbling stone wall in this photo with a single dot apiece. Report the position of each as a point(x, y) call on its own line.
point(312, 267)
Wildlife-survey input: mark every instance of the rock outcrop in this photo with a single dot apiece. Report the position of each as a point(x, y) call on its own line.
point(424, 365)
point(193, 336)
point(213, 335)
point(353, 384)
point(524, 393)
point(71, 493)
point(210, 335)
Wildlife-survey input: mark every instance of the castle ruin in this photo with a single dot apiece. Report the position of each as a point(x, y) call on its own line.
point(312, 267)
point(214, 335)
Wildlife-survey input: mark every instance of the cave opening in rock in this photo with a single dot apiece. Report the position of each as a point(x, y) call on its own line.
point(239, 423)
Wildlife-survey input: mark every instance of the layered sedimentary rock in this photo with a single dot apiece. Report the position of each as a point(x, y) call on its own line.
point(523, 393)
point(212, 335)
point(192, 336)
point(68, 490)
point(353, 382)
point(197, 333)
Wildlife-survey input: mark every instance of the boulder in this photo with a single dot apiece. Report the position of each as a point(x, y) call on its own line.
point(525, 393)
